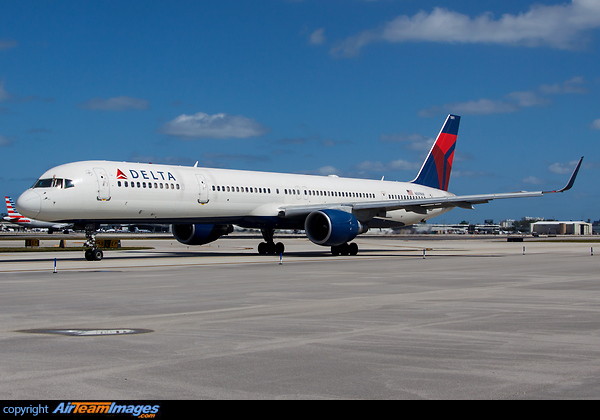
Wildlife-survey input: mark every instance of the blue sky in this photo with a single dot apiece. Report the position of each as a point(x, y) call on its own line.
point(353, 87)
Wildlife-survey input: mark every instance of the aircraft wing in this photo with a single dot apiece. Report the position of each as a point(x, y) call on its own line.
point(420, 206)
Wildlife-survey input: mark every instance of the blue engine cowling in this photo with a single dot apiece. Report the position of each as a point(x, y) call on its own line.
point(332, 227)
point(197, 234)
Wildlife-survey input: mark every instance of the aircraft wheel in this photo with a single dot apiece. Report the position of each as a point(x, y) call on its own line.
point(344, 249)
point(97, 254)
point(263, 248)
point(279, 248)
point(88, 255)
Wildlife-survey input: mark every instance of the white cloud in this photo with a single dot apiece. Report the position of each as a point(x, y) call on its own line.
point(474, 107)
point(328, 170)
point(396, 165)
point(3, 93)
point(7, 44)
point(119, 103)
point(528, 98)
point(416, 142)
point(574, 85)
point(533, 180)
point(596, 124)
point(561, 26)
point(5, 141)
point(317, 37)
point(563, 168)
point(512, 102)
point(218, 126)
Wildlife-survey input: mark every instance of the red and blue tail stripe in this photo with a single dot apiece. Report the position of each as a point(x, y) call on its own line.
point(435, 171)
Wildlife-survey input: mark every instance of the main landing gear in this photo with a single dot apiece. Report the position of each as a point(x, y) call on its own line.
point(92, 253)
point(269, 247)
point(344, 249)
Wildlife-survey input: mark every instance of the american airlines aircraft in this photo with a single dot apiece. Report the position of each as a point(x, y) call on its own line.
point(203, 204)
point(16, 218)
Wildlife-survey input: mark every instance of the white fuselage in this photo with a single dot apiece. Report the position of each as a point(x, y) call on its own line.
point(122, 192)
point(35, 224)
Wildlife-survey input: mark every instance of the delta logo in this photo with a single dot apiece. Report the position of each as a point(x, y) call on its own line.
point(145, 174)
point(143, 411)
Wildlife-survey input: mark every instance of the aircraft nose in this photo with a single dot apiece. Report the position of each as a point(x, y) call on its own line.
point(29, 204)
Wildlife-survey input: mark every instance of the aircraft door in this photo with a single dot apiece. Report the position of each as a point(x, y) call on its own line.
point(103, 184)
point(202, 189)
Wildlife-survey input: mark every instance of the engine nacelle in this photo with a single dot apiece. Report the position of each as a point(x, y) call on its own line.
point(197, 234)
point(332, 227)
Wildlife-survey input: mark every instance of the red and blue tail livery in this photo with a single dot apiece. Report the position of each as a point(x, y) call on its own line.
point(435, 172)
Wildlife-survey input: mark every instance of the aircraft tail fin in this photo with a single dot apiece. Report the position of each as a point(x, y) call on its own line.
point(10, 208)
point(435, 171)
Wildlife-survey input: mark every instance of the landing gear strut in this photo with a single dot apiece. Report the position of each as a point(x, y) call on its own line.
point(345, 249)
point(92, 253)
point(269, 247)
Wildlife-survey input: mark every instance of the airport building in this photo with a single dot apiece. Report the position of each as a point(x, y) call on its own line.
point(561, 228)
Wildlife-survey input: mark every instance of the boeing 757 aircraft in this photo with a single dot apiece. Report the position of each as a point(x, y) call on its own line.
point(203, 204)
point(16, 218)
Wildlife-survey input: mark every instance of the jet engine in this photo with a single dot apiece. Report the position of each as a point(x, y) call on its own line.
point(198, 234)
point(332, 227)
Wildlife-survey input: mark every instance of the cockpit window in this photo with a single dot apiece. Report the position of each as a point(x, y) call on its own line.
point(43, 183)
point(53, 183)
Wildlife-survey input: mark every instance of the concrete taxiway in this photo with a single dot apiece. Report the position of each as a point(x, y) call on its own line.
point(471, 318)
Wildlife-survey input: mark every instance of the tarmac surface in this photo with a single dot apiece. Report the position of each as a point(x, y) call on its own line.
point(468, 318)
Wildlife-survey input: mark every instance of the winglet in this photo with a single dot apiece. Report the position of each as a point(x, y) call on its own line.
point(571, 180)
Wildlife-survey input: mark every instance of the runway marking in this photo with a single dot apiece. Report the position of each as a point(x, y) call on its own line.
point(88, 332)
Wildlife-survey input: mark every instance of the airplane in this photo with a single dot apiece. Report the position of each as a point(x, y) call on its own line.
point(16, 218)
point(203, 204)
